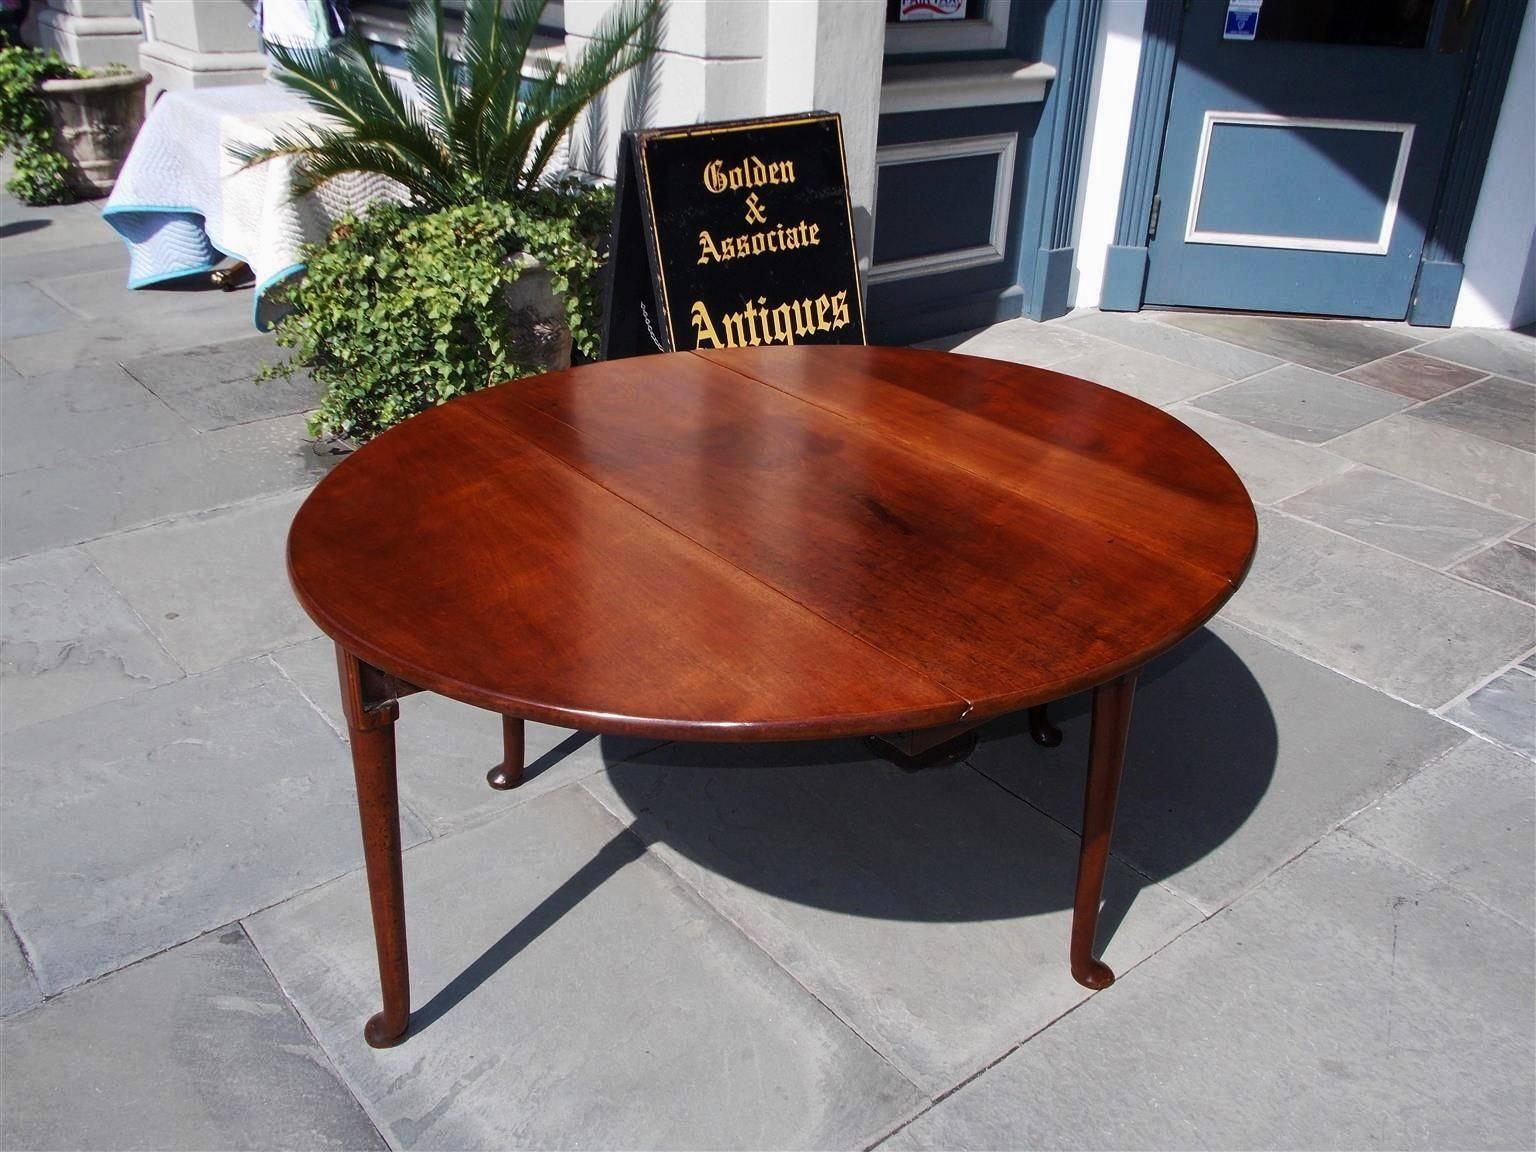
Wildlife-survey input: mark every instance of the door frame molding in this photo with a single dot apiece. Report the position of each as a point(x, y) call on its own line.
point(1440, 268)
point(1125, 266)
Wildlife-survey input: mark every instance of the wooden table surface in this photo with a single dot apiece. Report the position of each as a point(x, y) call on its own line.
point(768, 544)
point(765, 544)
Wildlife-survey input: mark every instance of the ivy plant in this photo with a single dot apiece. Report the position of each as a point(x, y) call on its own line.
point(400, 310)
point(41, 171)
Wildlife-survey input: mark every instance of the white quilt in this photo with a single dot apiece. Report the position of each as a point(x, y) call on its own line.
point(183, 204)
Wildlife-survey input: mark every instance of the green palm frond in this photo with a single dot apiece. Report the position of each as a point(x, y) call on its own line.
point(432, 70)
point(319, 153)
point(625, 38)
point(486, 126)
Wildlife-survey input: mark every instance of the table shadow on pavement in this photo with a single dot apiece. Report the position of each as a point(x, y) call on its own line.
point(827, 825)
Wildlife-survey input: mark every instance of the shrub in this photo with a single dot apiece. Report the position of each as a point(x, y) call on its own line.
point(401, 310)
point(41, 175)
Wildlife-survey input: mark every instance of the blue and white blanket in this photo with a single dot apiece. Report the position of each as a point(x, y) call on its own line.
point(183, 204)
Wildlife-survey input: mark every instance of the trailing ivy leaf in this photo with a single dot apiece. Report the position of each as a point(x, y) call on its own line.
point(400, 310)
point(40, 171)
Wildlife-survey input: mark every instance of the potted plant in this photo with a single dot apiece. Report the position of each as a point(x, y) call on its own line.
point(69, 128)
point(467, 284)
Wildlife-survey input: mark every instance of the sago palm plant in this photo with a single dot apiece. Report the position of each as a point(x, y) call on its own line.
point(477, 128)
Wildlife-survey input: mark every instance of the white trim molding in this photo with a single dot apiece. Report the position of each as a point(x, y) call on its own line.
point(988, 33)
point(1003, 145)
point(962, 84)
point(1377, 247)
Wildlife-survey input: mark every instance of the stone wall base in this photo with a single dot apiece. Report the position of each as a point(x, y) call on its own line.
point(90, 41)
point(174, 69)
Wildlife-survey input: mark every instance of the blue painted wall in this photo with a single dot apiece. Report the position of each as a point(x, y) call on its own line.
point(1035, 273)
point(910, 209)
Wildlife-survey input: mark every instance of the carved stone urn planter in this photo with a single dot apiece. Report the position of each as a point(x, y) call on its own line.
point(536, 317)
point(94, 122)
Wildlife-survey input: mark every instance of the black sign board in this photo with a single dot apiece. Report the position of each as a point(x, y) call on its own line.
point(732, 234)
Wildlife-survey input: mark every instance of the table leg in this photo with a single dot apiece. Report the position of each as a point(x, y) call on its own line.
point(1106, 758)
point(509, 773)
point(1041, 730)
point(371, 719)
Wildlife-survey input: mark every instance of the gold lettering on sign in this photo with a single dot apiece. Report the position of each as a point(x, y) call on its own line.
point(758, 322)
point(750, 173)
point(775, 239)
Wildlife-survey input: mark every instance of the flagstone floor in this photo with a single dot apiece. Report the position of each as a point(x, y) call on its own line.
point(1321, 905)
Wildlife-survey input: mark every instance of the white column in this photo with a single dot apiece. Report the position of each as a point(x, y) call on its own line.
point(828, 55)
point(1498, 282)
point(731, 59)
point(207, 44)
point(1109, 133)
point(91, 33)
point(710, 67)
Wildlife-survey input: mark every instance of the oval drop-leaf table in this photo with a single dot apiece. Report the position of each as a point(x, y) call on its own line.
point(765, 544)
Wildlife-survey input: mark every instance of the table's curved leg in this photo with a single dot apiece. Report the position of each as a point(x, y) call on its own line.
point(1041, 730)
point(509, 773)
point(371, 728)
point(1106, 758)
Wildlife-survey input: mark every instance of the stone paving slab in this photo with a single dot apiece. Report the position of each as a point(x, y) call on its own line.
point(1421, 635)
point(70, 640)
point(216, 386)
point(27, 231)
point(77, 501)
point(1270, 466)
point(78, 412)
point(1021, 341)
point(571, 992)
point(1500, 353)
point(213, 587)
point(109, 258)
point(1402, 517)
point(1468, 819)
point(18, 987)
point(929, 910)
point(1326, 345)
point(1350, 1002)
point(137, 824)
point(1147, 377)
point(93, 296)
point(1414, 376)
point(1144, 331)
point(1496, 408)
point(195, 1048)
point(119, 338)
point(1240, 756)
point(1457, 462)
point(1503, 710)
point(1506, 567)
point(1302, 404)
point(24, 311)
point(444, 748)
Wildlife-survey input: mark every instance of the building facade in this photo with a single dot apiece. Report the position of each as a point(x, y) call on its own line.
point(1026, 157)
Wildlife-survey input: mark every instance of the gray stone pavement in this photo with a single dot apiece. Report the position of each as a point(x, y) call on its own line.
point(1321, 904)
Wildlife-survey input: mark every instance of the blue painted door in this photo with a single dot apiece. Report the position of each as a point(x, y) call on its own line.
point(1305, 144)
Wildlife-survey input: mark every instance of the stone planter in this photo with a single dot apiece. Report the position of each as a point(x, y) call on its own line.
point(536, 318)
point(94, 124)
